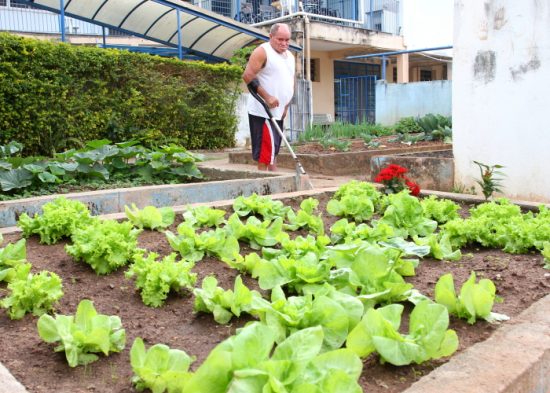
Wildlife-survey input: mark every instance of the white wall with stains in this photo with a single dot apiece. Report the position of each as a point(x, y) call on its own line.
point(501, 93)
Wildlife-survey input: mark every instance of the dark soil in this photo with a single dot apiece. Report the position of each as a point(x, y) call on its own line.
point(520, 280)
point(385, 143)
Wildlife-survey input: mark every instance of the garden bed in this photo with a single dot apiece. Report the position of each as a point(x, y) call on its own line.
point(317, 159)
point(520, 280)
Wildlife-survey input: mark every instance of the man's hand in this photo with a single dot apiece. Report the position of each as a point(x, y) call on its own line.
point(271, 101)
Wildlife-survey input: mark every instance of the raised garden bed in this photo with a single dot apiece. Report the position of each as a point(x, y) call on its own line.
point(356, 161)
point(227, 185)
point(431, 170)
point(520, 280)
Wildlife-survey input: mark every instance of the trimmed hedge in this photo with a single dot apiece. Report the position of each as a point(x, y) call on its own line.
point(55, 96)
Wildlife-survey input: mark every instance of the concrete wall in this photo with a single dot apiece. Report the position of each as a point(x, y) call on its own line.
point(397, 100)
point(500, 93)
point(323, 90)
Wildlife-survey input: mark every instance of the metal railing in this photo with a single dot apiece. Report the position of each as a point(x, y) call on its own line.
point(32, 20)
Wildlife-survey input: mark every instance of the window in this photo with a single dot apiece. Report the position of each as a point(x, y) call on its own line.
point(19, 4)
point(3, 3)
point(315, 69)
point(444, 75)
point(425, 75)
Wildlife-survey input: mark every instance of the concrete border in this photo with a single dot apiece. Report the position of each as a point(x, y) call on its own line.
point(113, 201)
point(335, 164)
point(515, 359)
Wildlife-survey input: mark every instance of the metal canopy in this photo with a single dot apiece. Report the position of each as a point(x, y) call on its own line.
point(202, 33)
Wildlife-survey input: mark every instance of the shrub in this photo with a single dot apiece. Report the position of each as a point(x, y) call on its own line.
point(55, 96)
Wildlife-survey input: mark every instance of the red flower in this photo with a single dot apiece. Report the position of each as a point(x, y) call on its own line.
point(413, 187)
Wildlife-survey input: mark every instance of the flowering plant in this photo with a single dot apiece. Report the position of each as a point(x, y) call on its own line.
point(394, 180)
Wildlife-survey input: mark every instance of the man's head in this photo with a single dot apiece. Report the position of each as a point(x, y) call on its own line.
point(279, 37)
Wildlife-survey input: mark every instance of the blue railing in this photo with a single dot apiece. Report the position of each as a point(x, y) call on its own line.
point(32, 20)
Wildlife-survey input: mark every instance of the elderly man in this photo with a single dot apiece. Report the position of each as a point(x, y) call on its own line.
point(269, 72)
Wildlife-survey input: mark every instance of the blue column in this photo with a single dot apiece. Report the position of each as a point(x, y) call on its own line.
point(180, 49)
point(371, 20)
point(239, 10)
point(62, 19)
point(104, 36)
point(384, 59)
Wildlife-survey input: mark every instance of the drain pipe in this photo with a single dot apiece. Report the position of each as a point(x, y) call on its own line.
point(307, 34)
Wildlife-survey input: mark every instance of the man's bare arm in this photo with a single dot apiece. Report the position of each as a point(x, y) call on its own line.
point(255, 64)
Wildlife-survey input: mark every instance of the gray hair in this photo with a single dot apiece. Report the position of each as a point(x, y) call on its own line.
point(275, 28)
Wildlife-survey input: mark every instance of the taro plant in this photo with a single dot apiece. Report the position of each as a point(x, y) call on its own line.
point(490, 179)
point(84, 334)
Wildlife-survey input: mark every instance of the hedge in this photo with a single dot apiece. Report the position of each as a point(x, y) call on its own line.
point(54, 96)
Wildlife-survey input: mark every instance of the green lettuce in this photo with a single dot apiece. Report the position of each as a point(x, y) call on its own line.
point(224, 304)
point(475, 300)
point(35, 293)
point(440, 247)
point(243, 363)
point(428, 336)
point(60, 218)
point(159, 368)
point(406, 216)
point(440, 210)
point(204, 216)
point(343, 231)
point(258, 233)
point(157, 279)
point(150, 217)
point(84, 334)
point(261, 205)
point(305, 217)
point(105, 245)
point(12, 255)
point(192, 246)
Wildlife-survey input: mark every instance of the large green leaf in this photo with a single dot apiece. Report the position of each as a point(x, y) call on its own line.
point(15, 178)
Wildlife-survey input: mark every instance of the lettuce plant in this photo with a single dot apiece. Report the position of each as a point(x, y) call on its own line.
point(157, 279)
point(224, 304)
point(261, 205)
point(258, 233)
point(343, 231)
point(104, 245)
point(35, 293)
point(440, 210)
point(159, 368)
point(305, 217)
point(150, 217)
point(298, 247)
point(428, 336)
point(546, 255)
point(406, 216)
point(475, 300)
point(192, 246)
point(247, 362)
point(204, 216)
point(12, 255)
point(84, 334)
point(60, 218)
point(440, 246)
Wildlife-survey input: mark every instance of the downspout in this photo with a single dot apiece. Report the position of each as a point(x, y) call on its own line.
point(307, 34)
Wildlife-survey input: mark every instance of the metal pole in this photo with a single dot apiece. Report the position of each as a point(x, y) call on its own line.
point(62, 19)
point(384, 58)
point(180, 49)
point(103, 30)
point(239, 10)
point(371, 20)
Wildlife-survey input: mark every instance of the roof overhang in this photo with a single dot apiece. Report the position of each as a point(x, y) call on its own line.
point(203, 33)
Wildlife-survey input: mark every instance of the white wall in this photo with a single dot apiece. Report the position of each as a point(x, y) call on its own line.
point(397, 100)
point(501, 83)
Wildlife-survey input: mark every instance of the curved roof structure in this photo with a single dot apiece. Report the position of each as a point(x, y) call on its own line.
point(202, 33)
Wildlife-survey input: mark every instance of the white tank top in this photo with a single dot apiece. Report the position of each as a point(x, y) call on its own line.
point(277, 78)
